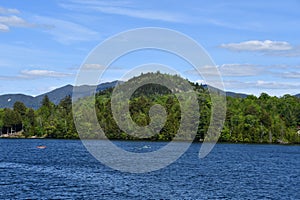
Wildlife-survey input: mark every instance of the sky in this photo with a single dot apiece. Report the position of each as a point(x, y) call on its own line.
point(254, 44)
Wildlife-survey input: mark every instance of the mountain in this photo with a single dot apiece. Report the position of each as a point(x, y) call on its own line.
point(8, 100)
point(237, 95)
point(228, 93)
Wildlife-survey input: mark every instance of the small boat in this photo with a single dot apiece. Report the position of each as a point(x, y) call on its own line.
point(41, 147)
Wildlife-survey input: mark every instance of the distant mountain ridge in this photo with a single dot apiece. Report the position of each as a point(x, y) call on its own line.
point(228, 93)
point(56, 95)
point(8, 100)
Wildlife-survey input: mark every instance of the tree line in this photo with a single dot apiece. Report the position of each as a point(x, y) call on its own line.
point(50, 120)
point(263, 119)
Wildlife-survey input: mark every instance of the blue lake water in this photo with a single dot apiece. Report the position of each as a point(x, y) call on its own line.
point(65, 169)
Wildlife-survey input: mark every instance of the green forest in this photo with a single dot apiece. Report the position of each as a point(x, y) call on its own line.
point(263, 119)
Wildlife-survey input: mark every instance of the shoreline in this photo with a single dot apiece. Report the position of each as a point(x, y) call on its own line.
point(200, 142)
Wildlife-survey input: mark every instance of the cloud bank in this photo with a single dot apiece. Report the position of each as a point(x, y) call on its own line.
point(256, 45)
point(43, 73)
point(9, 19)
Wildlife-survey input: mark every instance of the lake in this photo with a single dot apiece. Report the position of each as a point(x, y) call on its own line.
point(65, 169)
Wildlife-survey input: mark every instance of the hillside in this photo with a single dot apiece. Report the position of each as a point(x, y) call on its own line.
point(55, 96)
point(263, 119)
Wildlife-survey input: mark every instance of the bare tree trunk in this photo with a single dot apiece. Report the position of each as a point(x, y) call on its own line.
point(270, 137)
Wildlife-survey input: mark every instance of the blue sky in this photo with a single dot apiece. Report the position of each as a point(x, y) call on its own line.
point(255, 44)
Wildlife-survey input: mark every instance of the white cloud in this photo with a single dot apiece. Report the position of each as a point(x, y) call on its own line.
point(14, 21)
point(9, 19)
point(43, 73)
point(259, 85)
point(4, 28)
point(34, 74)
point(103, 3)
point(255, 79)
point(256, 45)
point(230, 70)
point(67, 32)
point(292, 75)
point(239, 70)
point(100, 67)
point(8, 11)
point(144, 14)
point(294, 52)
point(93, 67)
point(206, 71)
point(275, 85)
point(125, 9)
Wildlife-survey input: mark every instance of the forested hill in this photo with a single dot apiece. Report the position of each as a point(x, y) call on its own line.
point(263, 119)
point(55, 96)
